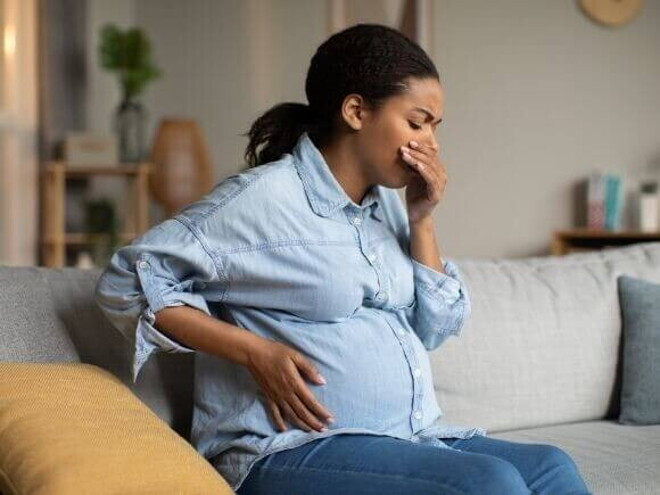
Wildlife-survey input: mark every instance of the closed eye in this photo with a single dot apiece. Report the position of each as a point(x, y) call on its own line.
point(415, 126)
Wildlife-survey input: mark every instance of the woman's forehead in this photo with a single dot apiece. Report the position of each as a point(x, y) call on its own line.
point(429, 98)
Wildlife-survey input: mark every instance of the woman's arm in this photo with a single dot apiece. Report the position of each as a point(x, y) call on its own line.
point(423, 245)
point(442, 300)
point(195, 329)
point(160, 269)
point(442, 303)
point(274, 366)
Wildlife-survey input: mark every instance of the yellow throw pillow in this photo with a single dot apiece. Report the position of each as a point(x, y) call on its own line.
point(69, 428)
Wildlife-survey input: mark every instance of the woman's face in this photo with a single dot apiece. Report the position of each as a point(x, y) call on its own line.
point(411, 116)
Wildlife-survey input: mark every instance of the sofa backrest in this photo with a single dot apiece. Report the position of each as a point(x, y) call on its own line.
point(543, 343)
point(30, 326)
point(50, 315)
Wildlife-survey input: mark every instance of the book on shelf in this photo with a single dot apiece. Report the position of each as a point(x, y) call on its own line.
point(604, 201)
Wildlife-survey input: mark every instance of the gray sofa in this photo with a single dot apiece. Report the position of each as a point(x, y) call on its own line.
point(538, 361)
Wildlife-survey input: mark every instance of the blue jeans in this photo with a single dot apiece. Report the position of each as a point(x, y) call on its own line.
point(356, 464)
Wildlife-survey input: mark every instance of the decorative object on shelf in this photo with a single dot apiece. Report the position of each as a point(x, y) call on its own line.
point(649, 207)
point(613, 202)
point(102, 229)
point(129, 124)
point(595, 201)
point(85, 261)
point(90, 149)
point(604, 201)
point(182, 171)
point(128, 53)
point(611, 13)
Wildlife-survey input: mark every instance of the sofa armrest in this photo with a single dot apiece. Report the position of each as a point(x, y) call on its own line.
point(76, 428)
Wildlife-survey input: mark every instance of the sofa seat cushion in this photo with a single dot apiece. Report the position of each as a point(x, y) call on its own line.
point(614, 459)
point(76, 428)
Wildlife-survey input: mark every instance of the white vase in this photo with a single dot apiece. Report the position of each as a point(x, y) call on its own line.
point(649, 212)
point(85, 261)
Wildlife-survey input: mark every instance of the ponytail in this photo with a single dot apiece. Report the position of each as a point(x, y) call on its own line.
point(278, 130)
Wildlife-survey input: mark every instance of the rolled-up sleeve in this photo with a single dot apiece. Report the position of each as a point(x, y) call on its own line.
point(442, 303)
point(166, 266)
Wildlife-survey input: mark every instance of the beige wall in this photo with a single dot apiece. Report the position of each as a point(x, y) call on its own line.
point(225, 62)
point(537, 96)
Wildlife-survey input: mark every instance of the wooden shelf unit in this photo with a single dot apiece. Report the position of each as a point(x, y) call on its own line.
point(588, 239)
point(54, 239)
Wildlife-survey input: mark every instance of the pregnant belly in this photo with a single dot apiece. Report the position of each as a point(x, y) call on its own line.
point(369, 380)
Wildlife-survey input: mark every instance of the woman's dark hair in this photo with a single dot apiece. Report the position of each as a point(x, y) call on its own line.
point(371, 60)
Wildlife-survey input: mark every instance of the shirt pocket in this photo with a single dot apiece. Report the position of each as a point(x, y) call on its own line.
point(312, 280)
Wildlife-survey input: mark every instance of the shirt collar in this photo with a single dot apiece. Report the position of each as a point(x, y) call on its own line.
point(323, 191)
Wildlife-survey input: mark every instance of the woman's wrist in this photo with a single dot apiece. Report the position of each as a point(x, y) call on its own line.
point(252, 344)
point(424, 224)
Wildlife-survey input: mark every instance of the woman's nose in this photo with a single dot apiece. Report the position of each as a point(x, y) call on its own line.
point(433, 143)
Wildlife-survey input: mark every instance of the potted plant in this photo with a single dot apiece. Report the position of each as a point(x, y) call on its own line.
point(128, 54)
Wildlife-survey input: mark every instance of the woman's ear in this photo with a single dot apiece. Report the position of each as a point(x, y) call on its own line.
point(353, 111)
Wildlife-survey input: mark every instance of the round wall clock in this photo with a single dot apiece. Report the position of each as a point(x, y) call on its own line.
point(611, 12)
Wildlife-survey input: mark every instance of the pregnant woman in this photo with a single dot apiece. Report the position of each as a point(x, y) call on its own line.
point(312, 295)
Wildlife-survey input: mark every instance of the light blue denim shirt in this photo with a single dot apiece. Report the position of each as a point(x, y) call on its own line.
point(281, 250)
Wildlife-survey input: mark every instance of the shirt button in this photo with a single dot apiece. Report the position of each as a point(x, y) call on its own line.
point(418, 414)
point(417, 372)
point(143, 265)
point(357, 220)
point(382, 296)
point(402, 331)
point(371, 257)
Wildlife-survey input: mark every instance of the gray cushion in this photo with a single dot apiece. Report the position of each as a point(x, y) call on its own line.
point(613, 459)
point(542, 345)
point(50, 315)
point(31, 328)
point(640, 387)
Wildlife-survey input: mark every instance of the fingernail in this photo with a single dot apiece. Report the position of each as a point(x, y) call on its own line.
point(405, 149)
point(324, 429)
point(321, 379)
point(407, 156)
point(414, 144)
point(331, 419)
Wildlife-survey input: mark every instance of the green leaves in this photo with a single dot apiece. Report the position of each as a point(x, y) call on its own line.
point(128, 54)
